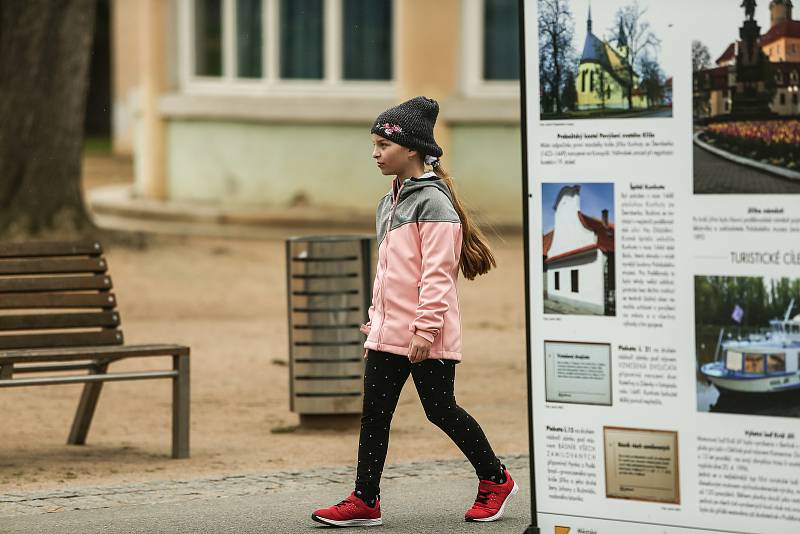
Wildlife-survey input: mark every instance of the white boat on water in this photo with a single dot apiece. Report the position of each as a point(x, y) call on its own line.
point(760, 363)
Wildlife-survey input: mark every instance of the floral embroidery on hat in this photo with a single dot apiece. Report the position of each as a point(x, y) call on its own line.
point(390, 128)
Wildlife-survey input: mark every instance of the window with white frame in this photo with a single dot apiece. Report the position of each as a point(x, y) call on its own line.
point(246, 43)
point(490, 44)
point(302, 32)
point(249, 39)
point(500, 40)
point(208, 38)
point(367, 40)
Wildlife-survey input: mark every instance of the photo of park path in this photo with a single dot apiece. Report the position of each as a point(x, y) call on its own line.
point(746, 78)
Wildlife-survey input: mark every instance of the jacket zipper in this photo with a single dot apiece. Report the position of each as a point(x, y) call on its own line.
point(386, 263)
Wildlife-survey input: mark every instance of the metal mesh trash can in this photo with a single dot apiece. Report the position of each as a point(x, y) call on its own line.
point(329, 288)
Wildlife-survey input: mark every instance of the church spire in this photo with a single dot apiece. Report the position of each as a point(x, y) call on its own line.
point(589, 20)
point(621, 39)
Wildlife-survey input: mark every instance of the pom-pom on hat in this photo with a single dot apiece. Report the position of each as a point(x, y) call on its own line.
point(411, 124)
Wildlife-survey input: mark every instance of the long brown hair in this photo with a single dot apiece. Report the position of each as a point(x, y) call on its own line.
point(476, 256)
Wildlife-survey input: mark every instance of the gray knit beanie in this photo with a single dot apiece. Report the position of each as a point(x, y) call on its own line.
point(411, 124)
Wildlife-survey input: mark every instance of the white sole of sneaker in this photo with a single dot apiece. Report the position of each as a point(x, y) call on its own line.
point(502, 509)
point(349, 522)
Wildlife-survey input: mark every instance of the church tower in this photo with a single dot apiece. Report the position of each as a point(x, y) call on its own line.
point(779, 11)
point(589, 20)
point(622, 41)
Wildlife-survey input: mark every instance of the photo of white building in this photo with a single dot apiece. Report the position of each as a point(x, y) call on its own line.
point(578, 246)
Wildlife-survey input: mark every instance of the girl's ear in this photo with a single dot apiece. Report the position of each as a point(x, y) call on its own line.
point(412, 154)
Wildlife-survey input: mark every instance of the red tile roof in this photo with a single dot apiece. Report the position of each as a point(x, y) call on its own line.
point(787, 28)
point(605, 234)
point(571, 253)
point(547, 241)
point(714, 78)
point(728, 54)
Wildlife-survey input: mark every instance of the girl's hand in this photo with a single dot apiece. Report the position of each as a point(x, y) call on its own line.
point(419, 349)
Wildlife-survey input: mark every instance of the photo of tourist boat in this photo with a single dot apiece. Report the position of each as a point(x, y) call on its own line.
point(747, 345)
point(760, 363)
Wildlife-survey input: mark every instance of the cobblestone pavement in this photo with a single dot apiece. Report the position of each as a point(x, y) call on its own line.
point(174, 491)
point(713, 174)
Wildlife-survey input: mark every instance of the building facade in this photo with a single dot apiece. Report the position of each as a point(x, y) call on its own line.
point(605, 76)
point(579, 256)
point(268, 103)
point(714, 88)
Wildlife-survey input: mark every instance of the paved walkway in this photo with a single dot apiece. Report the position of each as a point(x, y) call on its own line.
point(432, 496)
point(713, 174)
point(553, 306)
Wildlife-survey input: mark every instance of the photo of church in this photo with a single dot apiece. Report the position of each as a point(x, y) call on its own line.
point(746, 103)
point(578, 248)
point(605, 76)
point(605, 67)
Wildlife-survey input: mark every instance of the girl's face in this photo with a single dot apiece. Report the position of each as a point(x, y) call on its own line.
point(390, 157)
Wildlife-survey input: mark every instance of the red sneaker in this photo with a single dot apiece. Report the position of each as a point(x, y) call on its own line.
point(492, 499)
point(351, 512)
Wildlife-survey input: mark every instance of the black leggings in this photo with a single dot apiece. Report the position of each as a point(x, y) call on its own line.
point(384, 377)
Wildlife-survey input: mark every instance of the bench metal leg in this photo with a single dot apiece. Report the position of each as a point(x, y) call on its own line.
point(86, 406)
point(180, 407)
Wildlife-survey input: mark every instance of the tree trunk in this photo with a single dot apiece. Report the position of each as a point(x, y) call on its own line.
point(44, 45)
point(557, 62)
point(630, 88)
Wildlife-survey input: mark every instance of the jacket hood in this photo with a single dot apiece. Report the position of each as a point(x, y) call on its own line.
point(412, 185)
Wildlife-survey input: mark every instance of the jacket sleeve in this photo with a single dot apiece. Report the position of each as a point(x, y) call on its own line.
point(438, 240)
point(365, 328)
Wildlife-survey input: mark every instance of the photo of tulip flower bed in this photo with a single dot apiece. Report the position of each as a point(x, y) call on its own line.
point(773, 142)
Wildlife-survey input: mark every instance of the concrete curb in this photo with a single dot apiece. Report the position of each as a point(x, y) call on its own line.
point(764, 167)
point(121, 202)
point(117, 208)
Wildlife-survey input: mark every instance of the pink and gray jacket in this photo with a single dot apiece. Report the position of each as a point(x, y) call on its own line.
point(419, 247)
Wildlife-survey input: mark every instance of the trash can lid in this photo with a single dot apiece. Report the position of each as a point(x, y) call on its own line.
point(341, 237)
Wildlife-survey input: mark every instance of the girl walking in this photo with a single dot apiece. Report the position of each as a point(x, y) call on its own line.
point(424, 238)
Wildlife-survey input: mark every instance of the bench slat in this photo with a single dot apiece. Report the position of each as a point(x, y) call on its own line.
point(58, 320)
point(55, 283)
point(57, 300)
point(84, 353)
point(49, 368)
point(45, 249)
point(105, 337)
point(104, 377)
point(52, 266)
point(35, 275)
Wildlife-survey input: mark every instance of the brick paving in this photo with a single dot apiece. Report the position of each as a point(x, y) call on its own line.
point(713, 174)
point(176, 491)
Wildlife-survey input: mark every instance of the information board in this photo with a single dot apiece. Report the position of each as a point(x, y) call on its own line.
point(662, 221)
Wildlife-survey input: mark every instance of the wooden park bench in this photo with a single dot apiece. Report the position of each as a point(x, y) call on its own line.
point(58, 314)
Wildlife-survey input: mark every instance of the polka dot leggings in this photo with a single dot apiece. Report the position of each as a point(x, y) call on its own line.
point(384, 377)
